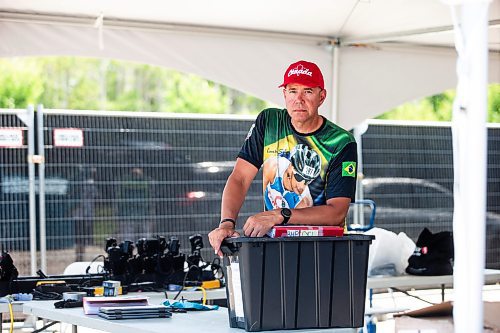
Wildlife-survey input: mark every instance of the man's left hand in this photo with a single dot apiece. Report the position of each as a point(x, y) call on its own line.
point(259, 224)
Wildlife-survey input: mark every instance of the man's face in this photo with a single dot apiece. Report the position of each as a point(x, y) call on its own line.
point(303, 102)
point(295, 182)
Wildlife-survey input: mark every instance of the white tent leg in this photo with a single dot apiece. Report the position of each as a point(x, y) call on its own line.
point(334, 116)
point(470, 161)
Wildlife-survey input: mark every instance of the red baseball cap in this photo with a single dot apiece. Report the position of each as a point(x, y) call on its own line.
point(305, 73)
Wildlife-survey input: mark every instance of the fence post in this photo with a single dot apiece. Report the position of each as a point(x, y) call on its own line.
point(31, 178)
point(358, 214)
point(41, 187)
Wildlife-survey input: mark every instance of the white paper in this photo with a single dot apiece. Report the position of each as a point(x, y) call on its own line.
point(237, 294)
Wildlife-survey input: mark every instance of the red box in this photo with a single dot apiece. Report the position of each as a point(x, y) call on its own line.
point(305, 231)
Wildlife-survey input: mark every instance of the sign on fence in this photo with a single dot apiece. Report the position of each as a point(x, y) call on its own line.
point(68, 137)
point(11, 137)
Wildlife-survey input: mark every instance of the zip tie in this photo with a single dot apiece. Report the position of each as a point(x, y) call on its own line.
point(99, 24)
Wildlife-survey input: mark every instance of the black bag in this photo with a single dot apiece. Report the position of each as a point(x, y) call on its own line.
point(433, 254)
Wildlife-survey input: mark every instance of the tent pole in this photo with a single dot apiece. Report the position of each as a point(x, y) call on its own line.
point(470, 163)
point(335, 83)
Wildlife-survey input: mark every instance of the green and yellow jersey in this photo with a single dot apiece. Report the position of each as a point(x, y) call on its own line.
point(326, 159)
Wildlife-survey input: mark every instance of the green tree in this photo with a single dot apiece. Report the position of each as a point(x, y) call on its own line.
point(494, 103)
point(439, 107)
point(103, 84)
point(20, 83)
point(69, 83)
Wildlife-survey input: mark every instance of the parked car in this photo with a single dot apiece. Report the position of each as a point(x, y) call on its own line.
point(14, 212)
point(411, 204)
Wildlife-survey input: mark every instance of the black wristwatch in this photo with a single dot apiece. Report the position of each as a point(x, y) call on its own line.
point(286, 213)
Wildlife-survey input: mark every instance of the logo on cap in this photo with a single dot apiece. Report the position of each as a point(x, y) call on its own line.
point(299, 70)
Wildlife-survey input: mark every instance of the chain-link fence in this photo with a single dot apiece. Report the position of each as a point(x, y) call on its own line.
point(146, 175)
point(408, 172)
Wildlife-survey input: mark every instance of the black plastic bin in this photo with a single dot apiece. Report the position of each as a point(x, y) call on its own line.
point(296, 282)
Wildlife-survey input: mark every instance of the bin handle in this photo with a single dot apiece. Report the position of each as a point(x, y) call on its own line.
point(228, 248)
point(371, 223)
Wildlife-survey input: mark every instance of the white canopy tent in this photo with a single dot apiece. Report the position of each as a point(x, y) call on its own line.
point(375, 55)
point(398, 49)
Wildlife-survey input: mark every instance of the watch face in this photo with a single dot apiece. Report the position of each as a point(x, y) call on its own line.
point(286, 212)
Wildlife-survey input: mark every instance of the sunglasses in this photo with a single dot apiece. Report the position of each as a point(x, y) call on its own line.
point(300, 178)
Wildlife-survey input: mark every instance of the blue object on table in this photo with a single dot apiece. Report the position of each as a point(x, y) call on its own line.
point(189, 306)
point(16, 297)
point(22, 297)
point(174, 287)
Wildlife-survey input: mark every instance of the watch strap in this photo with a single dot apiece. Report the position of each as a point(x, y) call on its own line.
point(228, 220)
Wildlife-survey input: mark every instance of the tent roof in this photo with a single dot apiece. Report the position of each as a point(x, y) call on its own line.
point(397, 49)
point(349, 20)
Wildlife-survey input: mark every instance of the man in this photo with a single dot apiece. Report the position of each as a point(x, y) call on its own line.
point(315, 186)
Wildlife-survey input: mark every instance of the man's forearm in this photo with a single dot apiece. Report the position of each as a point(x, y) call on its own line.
point(233, 197)
point(333, 214)
point(236, 188)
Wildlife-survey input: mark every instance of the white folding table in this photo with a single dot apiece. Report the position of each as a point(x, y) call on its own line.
point(491, 276)
point(216, 321)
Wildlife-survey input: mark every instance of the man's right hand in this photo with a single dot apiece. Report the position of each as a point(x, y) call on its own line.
point(217, 235)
